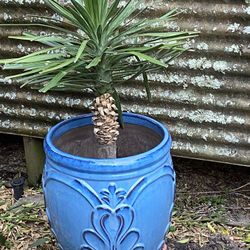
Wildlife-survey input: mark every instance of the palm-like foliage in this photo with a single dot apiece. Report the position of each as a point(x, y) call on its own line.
point(105, 44)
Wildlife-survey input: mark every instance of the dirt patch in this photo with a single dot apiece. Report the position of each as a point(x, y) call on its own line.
point(212, 208)
point(218, 242)
point(12, 159)
point(212, 204)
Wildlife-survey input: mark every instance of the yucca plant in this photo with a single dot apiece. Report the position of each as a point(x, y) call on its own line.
point(97, 45)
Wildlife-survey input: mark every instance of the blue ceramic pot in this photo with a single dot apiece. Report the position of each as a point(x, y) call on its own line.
point(109, 204)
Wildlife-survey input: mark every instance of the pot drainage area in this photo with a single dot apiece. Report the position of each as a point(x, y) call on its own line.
point(212, 209)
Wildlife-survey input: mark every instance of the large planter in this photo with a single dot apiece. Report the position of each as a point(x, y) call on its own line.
point(109, 204)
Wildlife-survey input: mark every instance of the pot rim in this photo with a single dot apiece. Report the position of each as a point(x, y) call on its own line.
point(155, 153)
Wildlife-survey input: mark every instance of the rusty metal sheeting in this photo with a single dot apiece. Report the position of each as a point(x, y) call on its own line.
point(204, 98)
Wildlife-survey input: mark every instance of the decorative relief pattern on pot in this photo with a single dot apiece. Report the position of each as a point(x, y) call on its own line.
point(113, 215)
point(112, 223)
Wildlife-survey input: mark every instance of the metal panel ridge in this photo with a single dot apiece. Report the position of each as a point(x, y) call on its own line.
point(203, 98)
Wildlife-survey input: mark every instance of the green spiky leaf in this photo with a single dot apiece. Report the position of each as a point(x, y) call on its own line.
point(80, 50)
point(118, 105)
point(94, 62)
point(53, 82)
point(97, 45)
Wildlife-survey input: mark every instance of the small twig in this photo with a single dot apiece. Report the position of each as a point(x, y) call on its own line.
point(238, 208)
point(235, 224)
point(212, 192)
point(236, 189)
point(244, 196)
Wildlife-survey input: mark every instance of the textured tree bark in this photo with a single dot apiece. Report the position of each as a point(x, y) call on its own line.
point(106, 151)
point(105, 125)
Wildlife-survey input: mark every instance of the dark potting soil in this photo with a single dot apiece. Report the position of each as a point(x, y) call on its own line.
point(133, 139)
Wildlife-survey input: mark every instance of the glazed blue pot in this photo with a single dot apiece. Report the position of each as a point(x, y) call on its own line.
point(109, 204)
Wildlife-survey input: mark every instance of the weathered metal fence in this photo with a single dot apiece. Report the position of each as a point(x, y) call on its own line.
point(204, 98)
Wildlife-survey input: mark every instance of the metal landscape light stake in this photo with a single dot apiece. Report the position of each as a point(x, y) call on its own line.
point(108, 176)
point(18, 185)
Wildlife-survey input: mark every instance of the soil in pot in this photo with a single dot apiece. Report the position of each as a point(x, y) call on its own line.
point(133, 140)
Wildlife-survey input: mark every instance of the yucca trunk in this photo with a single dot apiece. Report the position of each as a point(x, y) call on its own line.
point(105, 119)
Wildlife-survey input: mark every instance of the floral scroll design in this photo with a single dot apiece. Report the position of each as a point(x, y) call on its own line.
point(112, 223)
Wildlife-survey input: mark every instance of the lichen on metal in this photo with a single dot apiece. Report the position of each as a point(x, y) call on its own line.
point(203, 97)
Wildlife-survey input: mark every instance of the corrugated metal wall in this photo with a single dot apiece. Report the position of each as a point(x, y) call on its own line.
point(204, 99)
